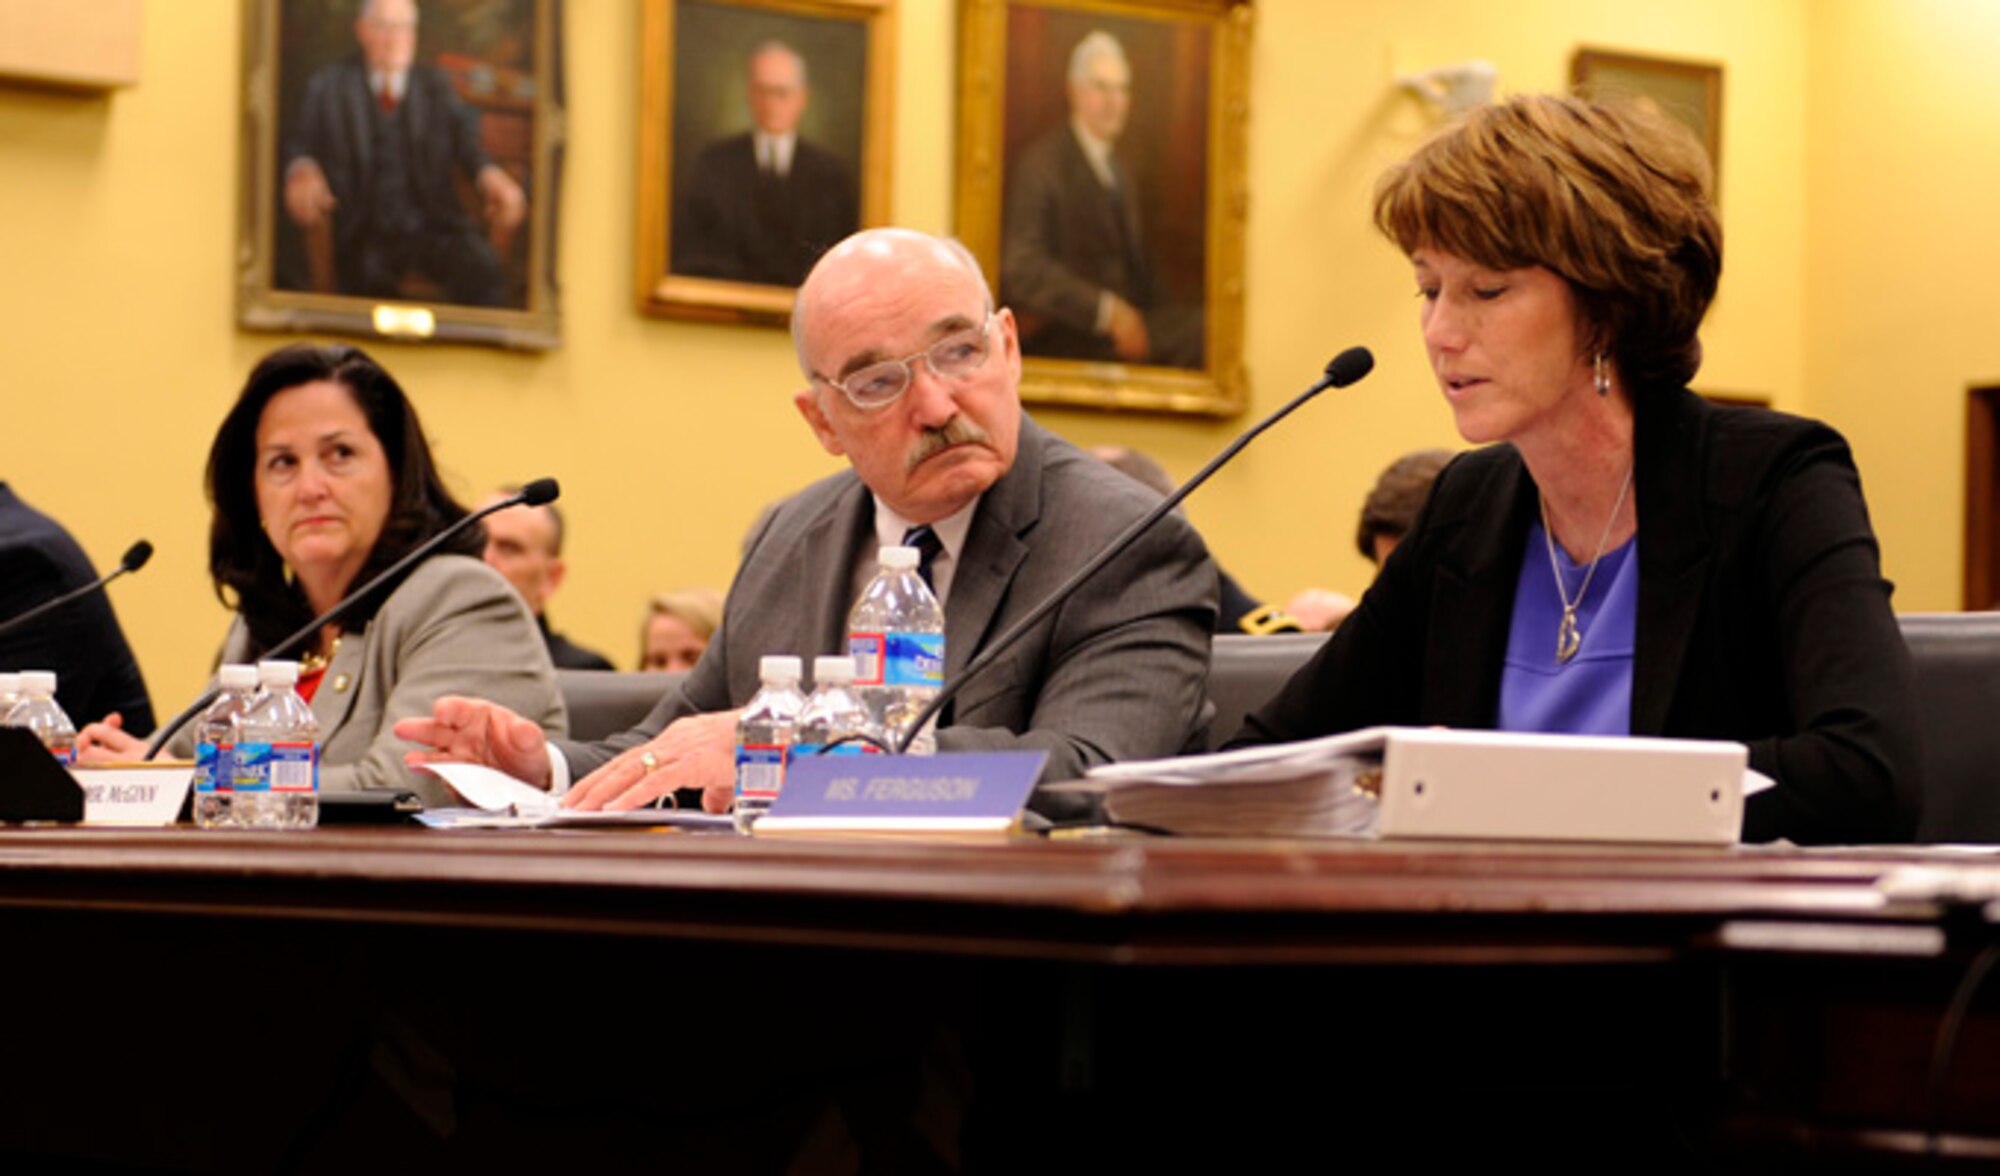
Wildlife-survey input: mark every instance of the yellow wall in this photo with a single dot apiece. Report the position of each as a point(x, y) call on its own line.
point(1904, 151)
point(117, 224)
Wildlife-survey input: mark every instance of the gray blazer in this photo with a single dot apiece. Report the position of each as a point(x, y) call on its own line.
point(452, 627)
point(1119, 672)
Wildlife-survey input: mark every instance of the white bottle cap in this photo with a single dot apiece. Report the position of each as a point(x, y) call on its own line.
point(278, 673)
point(38, 682)
point(901, 559)
point(833, 669)
point(237, 677)
point(778, 667)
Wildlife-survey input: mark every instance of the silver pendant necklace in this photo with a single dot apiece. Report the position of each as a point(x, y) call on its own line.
point(1569, 638)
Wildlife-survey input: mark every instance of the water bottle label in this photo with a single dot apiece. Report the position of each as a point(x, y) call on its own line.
point(760, 771)
point(249, 771)
point(294, 767)
point(866, 649)
point(214, 767)
point(276, 767)
point(915, 659)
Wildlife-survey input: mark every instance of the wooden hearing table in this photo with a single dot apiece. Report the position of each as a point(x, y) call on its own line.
point(624, 1001)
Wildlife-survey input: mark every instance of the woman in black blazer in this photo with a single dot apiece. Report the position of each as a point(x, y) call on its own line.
point(1623, 557)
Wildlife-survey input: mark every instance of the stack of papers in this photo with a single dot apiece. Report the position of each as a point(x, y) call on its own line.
point(1320, 788)
point(1427, 782)
point(500, 801)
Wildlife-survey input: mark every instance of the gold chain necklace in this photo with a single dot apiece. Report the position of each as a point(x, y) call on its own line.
point(1569, 638)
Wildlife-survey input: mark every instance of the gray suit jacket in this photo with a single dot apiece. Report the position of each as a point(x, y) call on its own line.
point(1118, 672)
point(452, 627)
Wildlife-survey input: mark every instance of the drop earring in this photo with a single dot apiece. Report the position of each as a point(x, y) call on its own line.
point(1602, 375)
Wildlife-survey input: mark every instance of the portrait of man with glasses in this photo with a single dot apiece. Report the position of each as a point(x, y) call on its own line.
point(913, 376)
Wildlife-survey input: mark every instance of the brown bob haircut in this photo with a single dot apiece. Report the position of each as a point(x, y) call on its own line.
point(1614, 199)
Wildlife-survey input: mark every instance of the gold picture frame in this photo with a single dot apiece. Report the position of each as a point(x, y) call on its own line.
point(1160, 231)
point(1688, 91)
point(707, 245)
point(484, 90)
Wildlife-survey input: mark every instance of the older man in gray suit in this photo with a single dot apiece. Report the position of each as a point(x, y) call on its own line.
point(914, 377)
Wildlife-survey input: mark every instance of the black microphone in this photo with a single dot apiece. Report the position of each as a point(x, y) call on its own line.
point(1344, 369)
point(135, 558)
point(536, 493)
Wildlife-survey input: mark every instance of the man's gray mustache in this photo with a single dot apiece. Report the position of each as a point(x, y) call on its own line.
point(958, 432)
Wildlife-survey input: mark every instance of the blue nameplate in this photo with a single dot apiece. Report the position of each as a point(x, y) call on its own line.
point(973, 792)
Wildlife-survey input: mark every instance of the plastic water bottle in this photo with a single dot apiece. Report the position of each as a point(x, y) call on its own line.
point(277, 757)
point(896, 634)
point(764, 738)
point(216, 735)
point(39, 712)
point(833, 712)
point(10, 696)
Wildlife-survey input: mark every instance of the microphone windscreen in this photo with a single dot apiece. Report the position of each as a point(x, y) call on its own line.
point(136, 556)
point(1349, 366)
point(540, 492)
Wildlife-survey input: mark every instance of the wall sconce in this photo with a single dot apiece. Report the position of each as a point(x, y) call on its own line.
point(1455, 88)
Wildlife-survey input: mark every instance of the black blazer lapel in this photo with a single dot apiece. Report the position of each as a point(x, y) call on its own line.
point(1472, 599)
point(1674, 548)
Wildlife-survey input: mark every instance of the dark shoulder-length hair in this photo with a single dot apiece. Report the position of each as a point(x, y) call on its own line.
point(249, 574)
point(1614, 198)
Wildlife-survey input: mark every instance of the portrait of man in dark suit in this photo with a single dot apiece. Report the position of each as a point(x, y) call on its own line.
point(762, 205)
point(387, 188)
point(1097, 213)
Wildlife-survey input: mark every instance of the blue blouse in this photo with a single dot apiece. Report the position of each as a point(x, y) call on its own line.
point(1592, 694)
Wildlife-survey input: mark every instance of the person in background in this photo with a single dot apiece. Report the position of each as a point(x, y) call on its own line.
point(524, 544)
point(1240, 611)
point(1622, 557)
point(320, 478)
point(1386, 516)
point(82, 642)
point(913, 375)
point(677, 629)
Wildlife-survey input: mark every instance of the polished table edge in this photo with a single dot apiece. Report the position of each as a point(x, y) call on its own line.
point(1121, 901)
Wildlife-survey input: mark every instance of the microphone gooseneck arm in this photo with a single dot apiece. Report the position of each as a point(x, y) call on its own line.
point(1344, 369)
point(135, 558)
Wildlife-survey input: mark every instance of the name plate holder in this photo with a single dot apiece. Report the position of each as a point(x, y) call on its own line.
point(968, 794)
point(33, 786)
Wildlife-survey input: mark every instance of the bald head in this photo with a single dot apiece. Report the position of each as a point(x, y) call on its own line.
point(864, 256)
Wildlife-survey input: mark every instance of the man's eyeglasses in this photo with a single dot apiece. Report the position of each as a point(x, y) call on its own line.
point(879, 384)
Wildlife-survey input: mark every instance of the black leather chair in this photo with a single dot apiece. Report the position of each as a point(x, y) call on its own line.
point(604, 702)
point(1957, 661)
point(1244, 672)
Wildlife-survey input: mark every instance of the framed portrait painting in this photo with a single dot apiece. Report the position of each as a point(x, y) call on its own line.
point(1688, 91)
point(400, 168)
point(764, 138)
point(1101, 182)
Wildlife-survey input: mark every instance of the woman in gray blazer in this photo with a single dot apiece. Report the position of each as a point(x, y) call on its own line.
point(320, 478)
